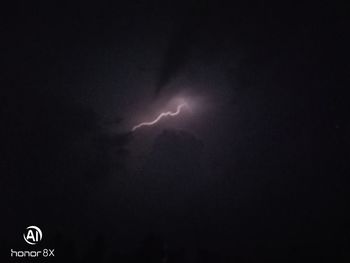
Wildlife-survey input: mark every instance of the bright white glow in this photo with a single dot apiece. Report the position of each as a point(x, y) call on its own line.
point(163, 114)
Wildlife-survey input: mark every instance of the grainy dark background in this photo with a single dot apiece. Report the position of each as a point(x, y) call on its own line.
point(260, 177)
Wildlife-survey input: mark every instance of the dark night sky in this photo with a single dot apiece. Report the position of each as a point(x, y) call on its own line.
point(256, 171)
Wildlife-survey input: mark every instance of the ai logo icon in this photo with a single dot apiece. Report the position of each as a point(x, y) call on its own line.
point(32, 235)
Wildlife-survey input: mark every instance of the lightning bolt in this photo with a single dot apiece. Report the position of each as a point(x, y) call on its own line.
point(160, 116)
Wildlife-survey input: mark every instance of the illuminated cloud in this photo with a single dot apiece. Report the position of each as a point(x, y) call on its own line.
point(160, 116)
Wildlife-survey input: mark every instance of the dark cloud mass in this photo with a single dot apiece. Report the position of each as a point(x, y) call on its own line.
point(190, 22)
point(169, 179)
